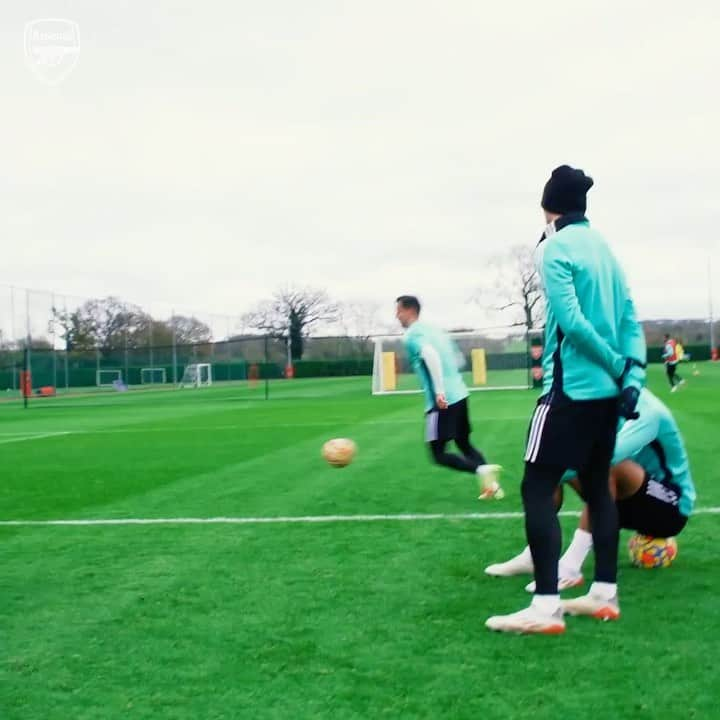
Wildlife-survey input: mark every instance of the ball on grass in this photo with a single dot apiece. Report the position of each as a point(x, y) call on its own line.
point(652, 552)
point(339, 452)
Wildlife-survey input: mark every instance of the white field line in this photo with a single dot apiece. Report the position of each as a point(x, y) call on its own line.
point(268, 426)
point(34, 436)
point(299, 519)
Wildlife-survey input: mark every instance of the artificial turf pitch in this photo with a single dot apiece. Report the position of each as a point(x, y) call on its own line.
point(343, 619)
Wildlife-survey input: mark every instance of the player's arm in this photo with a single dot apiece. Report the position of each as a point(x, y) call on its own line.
point(633, 347)
point(432, 361)
point(563, 300)
point(667, 351)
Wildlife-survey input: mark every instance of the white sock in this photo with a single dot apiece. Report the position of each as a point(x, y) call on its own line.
point(525, 555)
point(607, 591)
point(572, 561)
point(546, 604)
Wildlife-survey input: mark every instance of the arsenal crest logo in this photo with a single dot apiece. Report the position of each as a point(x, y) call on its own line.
point(52, 47)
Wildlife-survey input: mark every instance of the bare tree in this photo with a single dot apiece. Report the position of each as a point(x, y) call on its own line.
point(515, 289)
point(293, 313)
point(360, 320)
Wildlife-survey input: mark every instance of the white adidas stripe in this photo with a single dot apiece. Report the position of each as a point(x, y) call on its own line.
point(531, 434)
point(538, 422)
point(538, 440)
point(431, 430)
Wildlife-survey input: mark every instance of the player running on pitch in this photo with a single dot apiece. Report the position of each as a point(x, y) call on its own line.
point(653, 489)
point(672, 355)
point(433, 357)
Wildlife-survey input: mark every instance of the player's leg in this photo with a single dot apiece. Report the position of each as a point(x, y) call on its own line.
point(542, 526)
point(670, 371)
point(561, 435)
point(652, 507)
point(462, 435)
point(626, 478)
point(456, 462)
point(469, 450)
point(439, 431)
point(522, 563)
point(571, 562)
point(601, 601)
point(678, 379)
point(488, 474)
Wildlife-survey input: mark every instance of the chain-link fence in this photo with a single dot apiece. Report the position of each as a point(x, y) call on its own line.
point(241, 359)
point(74, 344)
point(246, 359)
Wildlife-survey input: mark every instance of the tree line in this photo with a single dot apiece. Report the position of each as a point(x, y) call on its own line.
point(291, 314)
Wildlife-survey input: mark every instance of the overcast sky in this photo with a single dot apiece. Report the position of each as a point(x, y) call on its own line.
point(200, 154)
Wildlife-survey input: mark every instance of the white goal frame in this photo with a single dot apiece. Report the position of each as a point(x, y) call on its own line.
point(117, 375)
point(152, 381)
point(379, 385)
point(197, 375)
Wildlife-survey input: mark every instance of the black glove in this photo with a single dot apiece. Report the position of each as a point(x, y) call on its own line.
point(627, 403)
point(629, 364)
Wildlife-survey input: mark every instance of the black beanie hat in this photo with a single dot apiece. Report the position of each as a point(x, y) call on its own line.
point(565, 191)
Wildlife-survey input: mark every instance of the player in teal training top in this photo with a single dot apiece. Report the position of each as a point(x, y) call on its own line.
point(650, 480)
point(434, 357)
point(594, 367)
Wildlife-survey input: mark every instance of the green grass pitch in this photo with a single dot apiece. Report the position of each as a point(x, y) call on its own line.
point(353, 619)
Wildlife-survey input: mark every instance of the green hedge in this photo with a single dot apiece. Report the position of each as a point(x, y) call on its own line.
point(82, 373)
point(332, 368)
point(696, 352)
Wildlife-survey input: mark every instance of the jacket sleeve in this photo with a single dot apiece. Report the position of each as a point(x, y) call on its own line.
point(434, 366)
point(562, 298)
point(632, 345)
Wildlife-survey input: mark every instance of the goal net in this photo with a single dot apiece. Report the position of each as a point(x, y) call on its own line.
point(108, 378)
point(496, 359)
point(197, 375)
point(153, 376)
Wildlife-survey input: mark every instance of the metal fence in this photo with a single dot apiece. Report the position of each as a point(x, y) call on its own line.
point(236, 360)
point(239, 359)
point(28, 318)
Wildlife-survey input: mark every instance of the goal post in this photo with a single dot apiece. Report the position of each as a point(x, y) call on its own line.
point(153, 376)
point(107, 378)
point(496, 359)
point(197, 375)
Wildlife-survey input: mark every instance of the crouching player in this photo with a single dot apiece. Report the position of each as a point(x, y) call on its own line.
point(653, 489)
